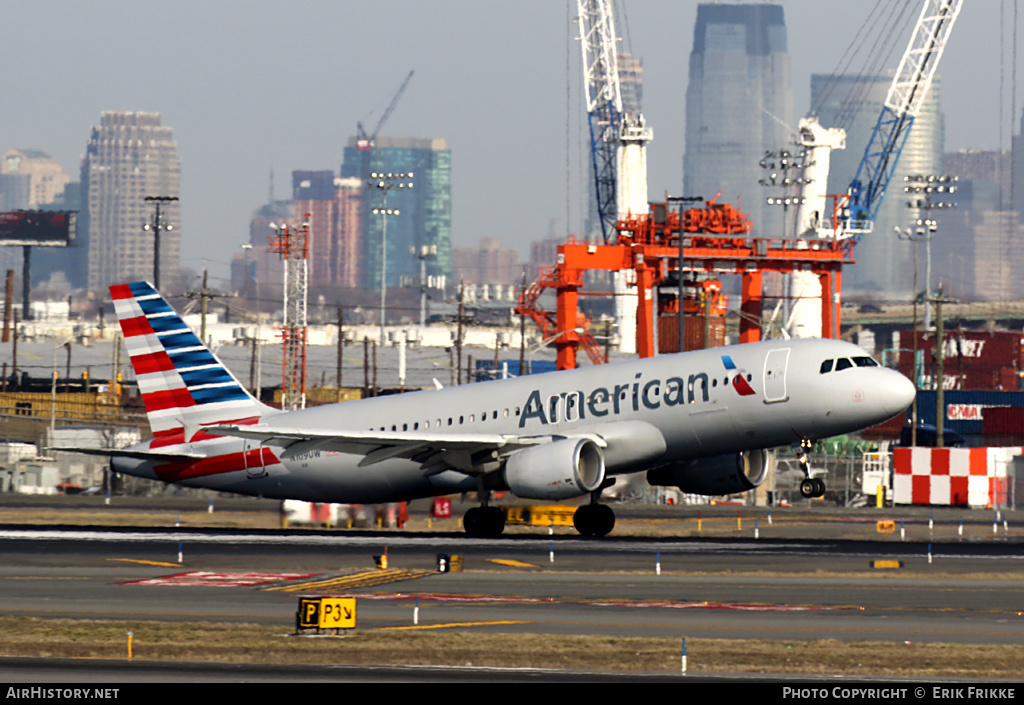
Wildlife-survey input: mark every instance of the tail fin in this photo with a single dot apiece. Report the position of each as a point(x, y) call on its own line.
point(183, 384)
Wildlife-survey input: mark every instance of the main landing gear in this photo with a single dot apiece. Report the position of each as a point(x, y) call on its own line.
point(594, 519)
point(488, 522)
point(483, 522)
point(809, 486)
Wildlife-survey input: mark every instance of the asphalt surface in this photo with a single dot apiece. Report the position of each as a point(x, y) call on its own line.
point(717, 572)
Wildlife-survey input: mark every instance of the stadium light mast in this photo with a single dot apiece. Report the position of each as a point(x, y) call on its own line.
point(155, 226)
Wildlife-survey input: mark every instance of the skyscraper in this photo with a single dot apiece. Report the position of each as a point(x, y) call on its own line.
point(46, 178)
point(739, 104)
point(313, 193)
point(854, 104)
point(488, 264)
point(334, 208)
point(425, 211)
point(129, 156)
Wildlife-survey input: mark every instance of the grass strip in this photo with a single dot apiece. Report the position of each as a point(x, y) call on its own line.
point(251, 643)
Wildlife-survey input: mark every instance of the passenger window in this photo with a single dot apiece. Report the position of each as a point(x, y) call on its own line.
point(826, 366)
point(864, 361)
point(843, 363)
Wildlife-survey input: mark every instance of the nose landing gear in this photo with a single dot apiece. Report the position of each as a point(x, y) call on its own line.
point(809, 486)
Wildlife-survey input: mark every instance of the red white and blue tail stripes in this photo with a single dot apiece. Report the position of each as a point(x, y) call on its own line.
point(182, 383)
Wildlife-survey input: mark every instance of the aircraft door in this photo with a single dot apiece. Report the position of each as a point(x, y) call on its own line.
point(253, 458)
point(775, 375)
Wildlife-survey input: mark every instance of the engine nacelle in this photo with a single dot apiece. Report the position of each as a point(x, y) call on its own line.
point(718, 475)
point(557, 470)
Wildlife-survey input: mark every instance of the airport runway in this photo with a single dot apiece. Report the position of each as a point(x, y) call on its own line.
point(739, 588)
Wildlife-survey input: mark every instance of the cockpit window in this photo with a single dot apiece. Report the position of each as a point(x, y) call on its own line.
point(826, 366)
point(864, 361)
point(843, 363)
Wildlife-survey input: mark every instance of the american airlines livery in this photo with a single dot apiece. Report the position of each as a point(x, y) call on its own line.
point(703, 421)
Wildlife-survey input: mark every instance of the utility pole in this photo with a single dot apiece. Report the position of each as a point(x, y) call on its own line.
point(458, 335)
point(204, 295)
point(341, 344)
point(366, 366)
point(26, 283)
point(522, 336)
point(8, 306)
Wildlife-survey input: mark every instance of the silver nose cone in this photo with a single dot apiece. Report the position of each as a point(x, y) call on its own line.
point(897, 394)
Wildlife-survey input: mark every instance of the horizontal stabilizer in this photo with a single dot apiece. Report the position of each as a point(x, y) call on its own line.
point(125, 453)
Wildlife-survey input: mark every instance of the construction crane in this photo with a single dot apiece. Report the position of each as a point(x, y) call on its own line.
point(604, 103)
point(853, 214)
point(365, 141)
point(618, 147)
point(617, 137)
point(906, 94)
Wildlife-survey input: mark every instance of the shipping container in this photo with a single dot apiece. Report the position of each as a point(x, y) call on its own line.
point(1003, 421)
point(989, 360)
point(964, 410)
point(693, 332)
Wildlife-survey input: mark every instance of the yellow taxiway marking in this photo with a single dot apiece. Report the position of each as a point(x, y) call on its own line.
point(136, 560)
point(371, 578)
point(452, 625)
point(514, 564)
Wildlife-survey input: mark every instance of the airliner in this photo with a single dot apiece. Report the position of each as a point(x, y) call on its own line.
point(704, 421)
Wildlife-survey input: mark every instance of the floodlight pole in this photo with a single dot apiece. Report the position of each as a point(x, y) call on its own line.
point(156, 226)
point(386, 182)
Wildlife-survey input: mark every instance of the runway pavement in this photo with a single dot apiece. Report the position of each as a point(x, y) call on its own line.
point(723, 587)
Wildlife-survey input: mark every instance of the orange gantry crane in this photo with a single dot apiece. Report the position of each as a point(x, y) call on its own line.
point(710, 241)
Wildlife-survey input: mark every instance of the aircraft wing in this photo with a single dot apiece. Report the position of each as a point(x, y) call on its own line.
point(436, 452)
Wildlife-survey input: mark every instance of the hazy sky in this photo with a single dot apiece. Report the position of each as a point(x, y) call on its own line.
point(254, 85)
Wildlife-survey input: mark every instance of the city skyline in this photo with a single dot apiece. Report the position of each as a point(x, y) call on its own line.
point(513, 121)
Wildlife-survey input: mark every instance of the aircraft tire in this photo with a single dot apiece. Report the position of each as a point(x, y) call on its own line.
point(594, 520)
point(809, 487)
point(484, 522)
point(819, 489)
point(495, 521)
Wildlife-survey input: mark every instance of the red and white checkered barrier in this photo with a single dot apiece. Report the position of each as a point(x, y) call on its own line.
point(975, 477)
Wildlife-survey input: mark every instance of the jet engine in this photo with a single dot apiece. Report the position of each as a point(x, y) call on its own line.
point(718, 475)
point(557, 470)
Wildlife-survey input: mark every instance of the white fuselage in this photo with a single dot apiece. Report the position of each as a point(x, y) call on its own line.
point(649, 413)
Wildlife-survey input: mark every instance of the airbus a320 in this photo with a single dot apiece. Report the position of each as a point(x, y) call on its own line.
point(703, 421)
